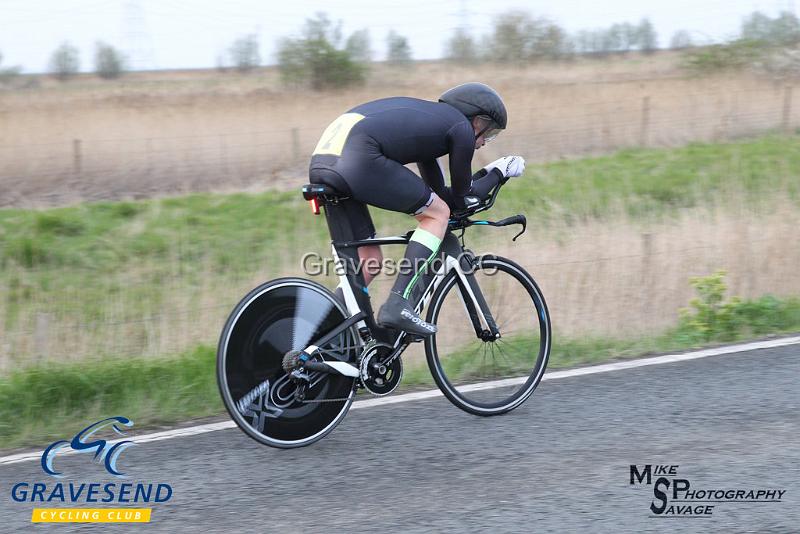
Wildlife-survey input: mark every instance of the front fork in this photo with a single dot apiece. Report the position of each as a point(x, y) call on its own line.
point(472, 297)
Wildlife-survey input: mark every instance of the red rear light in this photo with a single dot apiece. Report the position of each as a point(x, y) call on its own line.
point(314, 205)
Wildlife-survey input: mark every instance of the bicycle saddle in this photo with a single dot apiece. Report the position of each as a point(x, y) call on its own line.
point(322, 190)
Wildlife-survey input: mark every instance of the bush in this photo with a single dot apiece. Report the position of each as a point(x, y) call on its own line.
point(316, 58)
point(734, 55)
point(711, 318)
point(518, 37)
point(764, 44)
point(109, 63)
point(8, 74)
point(681, 39)
point(461, 47)
point(65, 62)
point(358, 46)
point(784, 30)
point(244, 53)
point(617, 39)
point(399, 51)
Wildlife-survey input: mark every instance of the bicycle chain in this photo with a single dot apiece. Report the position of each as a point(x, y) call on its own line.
point(366, 349)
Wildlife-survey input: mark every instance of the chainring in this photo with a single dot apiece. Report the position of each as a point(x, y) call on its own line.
point(379, 378)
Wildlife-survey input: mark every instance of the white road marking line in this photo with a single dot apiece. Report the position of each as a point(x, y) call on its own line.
point(554, 375)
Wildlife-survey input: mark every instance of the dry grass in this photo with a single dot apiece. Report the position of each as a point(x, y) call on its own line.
point(170, 133)
point(615, 278)
point(627, 279)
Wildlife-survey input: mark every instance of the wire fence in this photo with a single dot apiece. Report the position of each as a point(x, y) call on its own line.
point(218, 157)
point(635, 283)
point(614, 293)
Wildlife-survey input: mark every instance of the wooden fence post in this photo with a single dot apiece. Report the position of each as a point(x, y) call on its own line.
point(223, 155)
point(295, 145)
point(77, 157)
point(786, 120)
point(645, 129)
point(646, 276)
point(41, 336)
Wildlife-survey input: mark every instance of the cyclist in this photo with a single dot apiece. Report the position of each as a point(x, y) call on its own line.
point(363, 152)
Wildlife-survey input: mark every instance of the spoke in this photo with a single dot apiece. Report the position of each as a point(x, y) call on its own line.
point(503, 354)
point(494, 360)
point(500, 298)
point(513, 369)
point(494, 302)
point(513, 350)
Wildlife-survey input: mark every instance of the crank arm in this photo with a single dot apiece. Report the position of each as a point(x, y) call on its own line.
point(335, 367)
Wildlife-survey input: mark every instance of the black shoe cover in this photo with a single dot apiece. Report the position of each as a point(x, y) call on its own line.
point(398, 314)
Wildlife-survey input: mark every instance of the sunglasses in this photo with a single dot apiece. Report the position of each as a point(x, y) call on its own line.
point(490, 131)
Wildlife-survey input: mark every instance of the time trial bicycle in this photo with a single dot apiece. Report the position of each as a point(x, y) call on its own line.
point(293, 354)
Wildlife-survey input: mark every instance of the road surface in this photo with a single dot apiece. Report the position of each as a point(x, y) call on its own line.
point(559, 463)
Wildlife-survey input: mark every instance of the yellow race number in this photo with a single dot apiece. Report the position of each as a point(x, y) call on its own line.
point(334, 136)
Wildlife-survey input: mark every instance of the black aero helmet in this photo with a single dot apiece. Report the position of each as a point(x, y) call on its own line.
point(474, 98)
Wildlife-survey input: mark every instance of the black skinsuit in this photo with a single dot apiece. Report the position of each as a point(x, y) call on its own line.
point(363, 154)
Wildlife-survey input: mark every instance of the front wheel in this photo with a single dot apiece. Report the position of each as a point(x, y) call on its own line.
point(480, 375)
point(277, 317)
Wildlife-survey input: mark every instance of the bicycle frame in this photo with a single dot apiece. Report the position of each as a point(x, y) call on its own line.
point(344, 250)
point(451, 258)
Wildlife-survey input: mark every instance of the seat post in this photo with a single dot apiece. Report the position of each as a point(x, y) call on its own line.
point(340, 230)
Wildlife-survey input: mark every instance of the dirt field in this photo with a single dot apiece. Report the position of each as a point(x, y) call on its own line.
point(169, 133)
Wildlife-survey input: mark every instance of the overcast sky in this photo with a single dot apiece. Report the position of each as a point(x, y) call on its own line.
point(194, 33)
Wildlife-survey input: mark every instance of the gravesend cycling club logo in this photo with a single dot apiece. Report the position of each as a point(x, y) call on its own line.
point(103, 452)
point(80, 443)
point(677, 497)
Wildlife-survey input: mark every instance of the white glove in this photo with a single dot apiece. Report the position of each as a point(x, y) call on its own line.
point(509, 166)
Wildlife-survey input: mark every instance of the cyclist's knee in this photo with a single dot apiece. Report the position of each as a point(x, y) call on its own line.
point(372, 261)
point(437, 210)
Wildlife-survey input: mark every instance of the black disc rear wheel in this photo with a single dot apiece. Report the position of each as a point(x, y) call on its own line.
point(277, 317)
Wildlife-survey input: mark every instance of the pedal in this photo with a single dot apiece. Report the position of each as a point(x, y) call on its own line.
point(412, 338)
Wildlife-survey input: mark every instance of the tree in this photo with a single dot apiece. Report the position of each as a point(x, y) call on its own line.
point(552, 42)
point(681, 39)
point(518, 37)
point(630, 36)
point(588, 41)
point(358, 46)
point(510, 40)
point(8, 73)
point(613, 39)
point(109, 63)
point(244, 53)
point(65, 62)
point(784, 30)
point(757, 27)
point(461, 47)
point(647, 39)
point(317, 59)
point(399, 51)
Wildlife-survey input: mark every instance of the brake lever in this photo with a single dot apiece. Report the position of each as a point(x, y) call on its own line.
point(514, 219)
point(524, 222)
